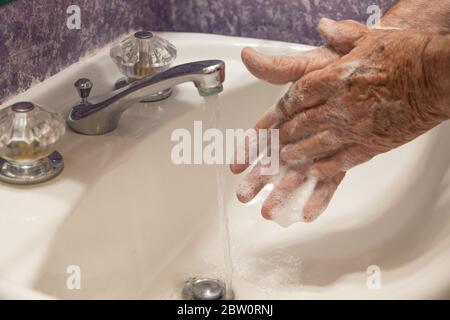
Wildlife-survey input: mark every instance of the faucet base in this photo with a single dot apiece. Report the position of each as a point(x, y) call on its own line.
point(27, 173)
point(123, 82)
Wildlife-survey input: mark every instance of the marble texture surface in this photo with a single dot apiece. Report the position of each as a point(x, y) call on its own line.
point(35, 42)
point(284, 20)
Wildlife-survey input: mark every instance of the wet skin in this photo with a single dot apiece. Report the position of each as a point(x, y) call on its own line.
point(366, 92)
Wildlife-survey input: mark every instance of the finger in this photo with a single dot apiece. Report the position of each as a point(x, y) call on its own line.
point(289, 182)
point(312, 90)
point(252, 184)
point(306, 123)
point(283, 69)
point(322, 143)
point(270, 119)
point(321, 197)
point(341, 36)
point(341, 161)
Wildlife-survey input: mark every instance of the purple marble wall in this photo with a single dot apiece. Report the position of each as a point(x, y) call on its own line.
point(35, 42)
point(284, 20)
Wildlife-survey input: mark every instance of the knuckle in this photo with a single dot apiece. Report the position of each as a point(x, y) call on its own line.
point(333, 136)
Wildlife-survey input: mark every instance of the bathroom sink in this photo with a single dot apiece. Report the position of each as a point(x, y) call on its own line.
point(134, 225)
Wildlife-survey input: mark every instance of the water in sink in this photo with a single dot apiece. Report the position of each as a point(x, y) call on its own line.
point(212, 107)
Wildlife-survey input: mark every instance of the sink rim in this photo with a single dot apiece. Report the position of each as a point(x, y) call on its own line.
point(66, 191)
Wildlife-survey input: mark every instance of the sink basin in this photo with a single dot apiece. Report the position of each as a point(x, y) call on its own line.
point(136, 226)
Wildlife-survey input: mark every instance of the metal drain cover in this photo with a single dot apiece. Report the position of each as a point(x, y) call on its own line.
point(204, 289)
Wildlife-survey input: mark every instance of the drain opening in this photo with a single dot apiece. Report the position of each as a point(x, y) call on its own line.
point(206, 289)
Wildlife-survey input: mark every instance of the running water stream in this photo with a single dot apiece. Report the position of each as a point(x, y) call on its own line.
point(212, 108)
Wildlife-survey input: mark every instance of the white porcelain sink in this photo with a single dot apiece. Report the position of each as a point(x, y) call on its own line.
point(138, 225)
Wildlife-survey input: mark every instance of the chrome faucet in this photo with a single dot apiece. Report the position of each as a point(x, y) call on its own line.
point(100, 115)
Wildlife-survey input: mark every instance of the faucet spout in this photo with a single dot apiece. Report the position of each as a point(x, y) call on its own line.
point(101, 115)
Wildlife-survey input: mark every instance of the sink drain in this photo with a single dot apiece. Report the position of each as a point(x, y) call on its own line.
point(205, 289)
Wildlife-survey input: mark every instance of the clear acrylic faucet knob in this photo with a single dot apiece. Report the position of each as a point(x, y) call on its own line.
point(29, 131)
point(29, 135)
point(143, 54)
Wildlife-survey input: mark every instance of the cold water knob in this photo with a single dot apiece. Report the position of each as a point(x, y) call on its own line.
point(29, 135)
point(143, 54)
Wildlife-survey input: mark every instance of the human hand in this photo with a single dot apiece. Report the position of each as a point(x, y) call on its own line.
point(387, 91)
point(280, 70)
point(384, 93)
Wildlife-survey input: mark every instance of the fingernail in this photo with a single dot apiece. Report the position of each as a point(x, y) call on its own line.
point(326, 25)
point(247, 52)
point(266, 212)
point(284, 154)
point(326, 20)
point(315, 173)
point(311, 215)
point(244, 192)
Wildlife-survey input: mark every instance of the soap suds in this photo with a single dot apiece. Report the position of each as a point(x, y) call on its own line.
point(281, 269)
point(291, 209)
point(288, 208)
point(349, 68)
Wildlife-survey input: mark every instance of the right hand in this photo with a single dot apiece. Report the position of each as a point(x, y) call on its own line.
point(281, 70)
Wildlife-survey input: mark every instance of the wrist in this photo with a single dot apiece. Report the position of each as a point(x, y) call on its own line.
point(436, 66)
point(425, 15)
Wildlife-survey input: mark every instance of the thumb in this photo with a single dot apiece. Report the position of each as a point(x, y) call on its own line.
point(342, 35)
point(283, 69)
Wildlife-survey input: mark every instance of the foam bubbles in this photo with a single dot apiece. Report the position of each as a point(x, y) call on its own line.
point(291, 209)
point(278, 270)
